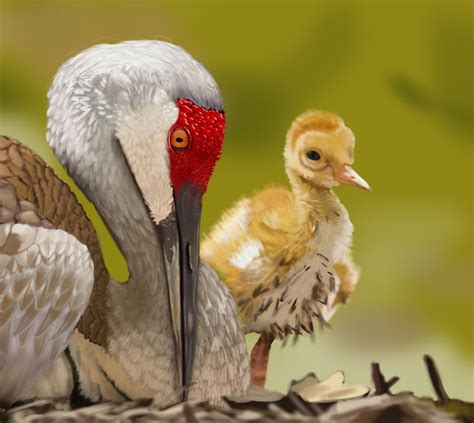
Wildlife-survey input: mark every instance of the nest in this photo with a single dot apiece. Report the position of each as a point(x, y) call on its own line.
point(307, 400)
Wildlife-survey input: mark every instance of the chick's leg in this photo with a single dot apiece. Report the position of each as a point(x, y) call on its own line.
point(259, 359)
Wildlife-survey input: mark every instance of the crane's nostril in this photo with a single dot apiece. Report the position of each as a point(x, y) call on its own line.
point(189, 254)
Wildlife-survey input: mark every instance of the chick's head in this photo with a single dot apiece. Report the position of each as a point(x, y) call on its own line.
point(320, 151)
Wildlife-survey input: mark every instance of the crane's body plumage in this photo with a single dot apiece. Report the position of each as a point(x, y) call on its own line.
point(43, 267)
point(110, 110)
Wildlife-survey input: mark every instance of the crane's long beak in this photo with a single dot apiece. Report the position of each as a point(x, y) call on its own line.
point(180, 239)
point(349, 176)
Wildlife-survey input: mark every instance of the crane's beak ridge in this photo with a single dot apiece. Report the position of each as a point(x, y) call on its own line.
point(179, 233)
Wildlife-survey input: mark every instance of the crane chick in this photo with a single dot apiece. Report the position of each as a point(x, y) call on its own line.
point(285, 256)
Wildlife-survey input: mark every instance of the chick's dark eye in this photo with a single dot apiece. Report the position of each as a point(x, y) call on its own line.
point(313, 155)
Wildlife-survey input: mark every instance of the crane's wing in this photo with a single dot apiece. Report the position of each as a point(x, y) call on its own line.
point(221, 365)
point(46, 278)
point(30, 192)
point(305, 296)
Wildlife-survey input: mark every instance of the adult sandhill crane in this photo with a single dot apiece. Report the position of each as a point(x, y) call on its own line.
point(139, 126)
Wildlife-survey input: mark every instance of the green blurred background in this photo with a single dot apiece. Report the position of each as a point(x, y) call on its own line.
point(399, 73)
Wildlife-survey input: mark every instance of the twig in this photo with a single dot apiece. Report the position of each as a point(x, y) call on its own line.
point(435, 378)
point(381, 385)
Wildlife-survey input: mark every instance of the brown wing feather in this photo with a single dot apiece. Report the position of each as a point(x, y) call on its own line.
point(33, 194)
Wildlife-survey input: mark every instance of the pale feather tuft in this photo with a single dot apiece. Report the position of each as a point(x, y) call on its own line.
point(313, 120)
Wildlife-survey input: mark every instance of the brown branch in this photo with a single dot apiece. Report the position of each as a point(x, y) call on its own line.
point(435, 378)
point(381, 385)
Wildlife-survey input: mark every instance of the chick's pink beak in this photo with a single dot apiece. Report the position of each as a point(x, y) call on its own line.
point(349, 176)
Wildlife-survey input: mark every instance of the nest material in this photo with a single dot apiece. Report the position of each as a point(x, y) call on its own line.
point(304, 402)
point(382, 408)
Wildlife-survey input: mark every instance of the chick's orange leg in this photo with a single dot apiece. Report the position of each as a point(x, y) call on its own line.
point(259, 360)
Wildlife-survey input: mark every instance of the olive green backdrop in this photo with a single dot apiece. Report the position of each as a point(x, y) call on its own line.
point(400, 74)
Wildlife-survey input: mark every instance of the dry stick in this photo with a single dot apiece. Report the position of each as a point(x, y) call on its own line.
point(381, 385)
point(435, 378)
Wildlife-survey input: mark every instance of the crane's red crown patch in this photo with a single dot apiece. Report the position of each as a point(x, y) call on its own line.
point(195, 164)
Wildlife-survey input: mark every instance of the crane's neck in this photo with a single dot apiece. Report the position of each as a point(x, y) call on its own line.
point(139, 350)
point(313, 204)
point(118, 200)
point(136, 236)
point(320, 219)
point(137, 318)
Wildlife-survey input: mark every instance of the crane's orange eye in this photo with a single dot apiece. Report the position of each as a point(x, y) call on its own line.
point(179, 139)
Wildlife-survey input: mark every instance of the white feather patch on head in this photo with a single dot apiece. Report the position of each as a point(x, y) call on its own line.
point(246, 254)
point(143, 136)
